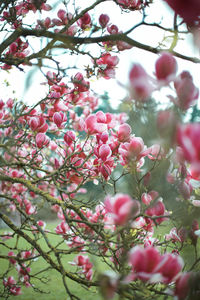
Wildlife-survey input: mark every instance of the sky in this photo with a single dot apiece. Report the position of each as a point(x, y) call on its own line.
point(117, 89)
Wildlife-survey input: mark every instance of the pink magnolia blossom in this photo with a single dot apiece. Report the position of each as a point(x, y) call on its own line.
point(121, 45)
point(188, 138)
point(121, 207)
point(12, 260)
point(69, 137)
point(124, 132)
point(9, 282)
point(166, 67)
point(187, 92)
point(130, 4)
point(46, 23)
point(38, 124)
point(102, 137)
point(185, 189)
point(148, 197)
point(170, 266)
point(131, 150)
point(173, 236)
point(158, 209)
point(26, 254)
point(41, 140)
point(140, 84)
point(112, 29)
point(103, 20)
point(144, 262)
point(107, 64)
point(80, 83)
point(149, 265)
point(42, 224)
point(109, 282)
point(15, 290)
point(62, 228)
point(154, 152)
point(182, 286)
point(63, 16)
point(85, 21)
point(30, 209)
point(59, 118)
point(94, 124)
point(85, 264)
point(104, 152)
point(189, 10)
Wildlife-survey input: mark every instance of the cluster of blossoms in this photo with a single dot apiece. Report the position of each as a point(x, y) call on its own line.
point(13, 286)
point(53, 152)
point(81, 148)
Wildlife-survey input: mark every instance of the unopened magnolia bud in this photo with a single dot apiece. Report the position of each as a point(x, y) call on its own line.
point(103, 20)
point(166, 66)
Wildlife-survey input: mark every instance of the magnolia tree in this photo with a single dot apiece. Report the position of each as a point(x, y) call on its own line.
point(53, 150)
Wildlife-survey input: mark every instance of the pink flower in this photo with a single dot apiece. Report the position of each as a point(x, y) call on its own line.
point(192, 234)
point(80, 84)
point(144, 262)
point(189, 10)
point(112, 29)
point(148, 197)
point(185, 189)
point(109, 282)
point(41, 224)
point(154, 152)
point(188, 138)
point(170, 266)
point(103, 20)
point(104, 152)
point(62, 228)
point(12, 260)
point(132, 150)
point(62, 15)
point(41, 140)
point(15, 290)
point(140, 84)
point(94, 124)
point(158, 209)
point(166, 67)
point(59, 118)
point(107, 64)
point(182, 286)
point(130, 4)
point(187, 92)
point(85, 21)
point(85, 264)
point(9, 282)
point(38, 124)
point(173, 236)
point(121, 45)
point(124, 132)
point(69, 137)
point(121, 207)
point(30, 209)
point(149, 265)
